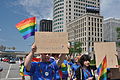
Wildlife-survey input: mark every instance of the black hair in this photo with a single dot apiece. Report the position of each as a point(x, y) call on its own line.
point(84, 58)
point(72, 60)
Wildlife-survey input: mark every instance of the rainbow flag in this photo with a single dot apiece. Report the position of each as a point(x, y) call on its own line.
point(102, 70)
point(27, 27)
point(34, 59)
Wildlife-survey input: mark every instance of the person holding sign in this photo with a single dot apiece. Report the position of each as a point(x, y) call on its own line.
point(44, 70)
point(84, 71)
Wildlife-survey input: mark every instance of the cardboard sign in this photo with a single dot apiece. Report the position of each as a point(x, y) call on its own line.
point(106, 48)
point(51, 42)
point(114, 74)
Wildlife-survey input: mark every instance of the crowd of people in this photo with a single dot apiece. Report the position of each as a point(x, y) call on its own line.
point(58, 67)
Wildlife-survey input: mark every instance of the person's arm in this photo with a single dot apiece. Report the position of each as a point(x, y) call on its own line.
point(79, 73)
point(62, 58)
point(29, 58)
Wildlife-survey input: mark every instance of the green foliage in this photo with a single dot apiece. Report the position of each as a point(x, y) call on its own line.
point(92, 62)
point(3, 48)
point(119, 62)
point(76, 48)
point(118, 44)
point(118, 32)
point(118, 36)
point(118, 29)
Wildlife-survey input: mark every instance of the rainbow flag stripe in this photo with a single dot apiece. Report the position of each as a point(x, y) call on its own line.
point(27, 27)
point(102, 70)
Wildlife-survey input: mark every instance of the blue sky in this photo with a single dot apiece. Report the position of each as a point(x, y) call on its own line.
point(14, 11)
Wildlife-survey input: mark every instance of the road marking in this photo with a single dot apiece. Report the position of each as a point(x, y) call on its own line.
point(8, 72)
point(14, 78)
point(10, 78)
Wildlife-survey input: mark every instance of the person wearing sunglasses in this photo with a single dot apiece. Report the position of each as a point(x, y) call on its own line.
point(44, 70)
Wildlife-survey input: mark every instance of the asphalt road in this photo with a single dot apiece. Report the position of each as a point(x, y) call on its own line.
point(10, 71)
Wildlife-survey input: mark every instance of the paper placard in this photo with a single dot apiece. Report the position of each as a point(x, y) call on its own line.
point(52, 42)
point(108, 49)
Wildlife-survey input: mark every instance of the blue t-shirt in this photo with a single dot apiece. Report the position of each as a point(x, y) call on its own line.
point(87, 74)
point(74, 68)
point(64, 69)
point(42, 70)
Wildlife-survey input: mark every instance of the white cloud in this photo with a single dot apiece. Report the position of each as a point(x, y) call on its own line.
point(2, 40)
point(105, 4)
point(110, 8)
point(42, 9)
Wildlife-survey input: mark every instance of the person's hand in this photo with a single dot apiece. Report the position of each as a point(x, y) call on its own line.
point(34, 48)
point(90, 78)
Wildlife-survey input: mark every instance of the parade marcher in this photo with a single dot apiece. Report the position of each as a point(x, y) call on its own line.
point(58, 75)
point(64, 69)
point(44, 70)
point(74, 67)
point(84, 71)
point(21, 68)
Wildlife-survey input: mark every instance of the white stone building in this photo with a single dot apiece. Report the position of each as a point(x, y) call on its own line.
point(87, 29)
point(109, 29)
point(64, 11)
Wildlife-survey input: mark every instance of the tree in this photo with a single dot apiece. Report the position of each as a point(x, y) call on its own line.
point(75, 48)
point(2, 48)
point(13, 48)
point(118, 37)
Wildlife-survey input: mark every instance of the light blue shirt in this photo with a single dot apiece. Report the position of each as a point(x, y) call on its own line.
point(42, 70)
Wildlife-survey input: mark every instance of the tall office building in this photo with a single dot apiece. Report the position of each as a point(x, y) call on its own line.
point(64, 11)
point(110, 29)
point(45, 25)
point(87, 29)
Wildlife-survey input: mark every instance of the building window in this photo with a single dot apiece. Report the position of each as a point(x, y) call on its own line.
point(95, 39)
point(69, 17)
point(95, 34)
point(101, 39)
point(92, 23)
point(88, 43)
point(100, 20)
point(89, 28)
point(92, 33)
point(98, 34)
point(89, 23)
point(98, 29)
point(92, 43)
point(98, 39)
point(98, 25)
point(94, 19)
point(89, 33)
point(97, 20)
point(92, 49)
point(101, 34)
point(69, 9)
point(88, 18)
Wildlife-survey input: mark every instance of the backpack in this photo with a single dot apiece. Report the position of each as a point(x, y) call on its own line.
point(80, 74)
